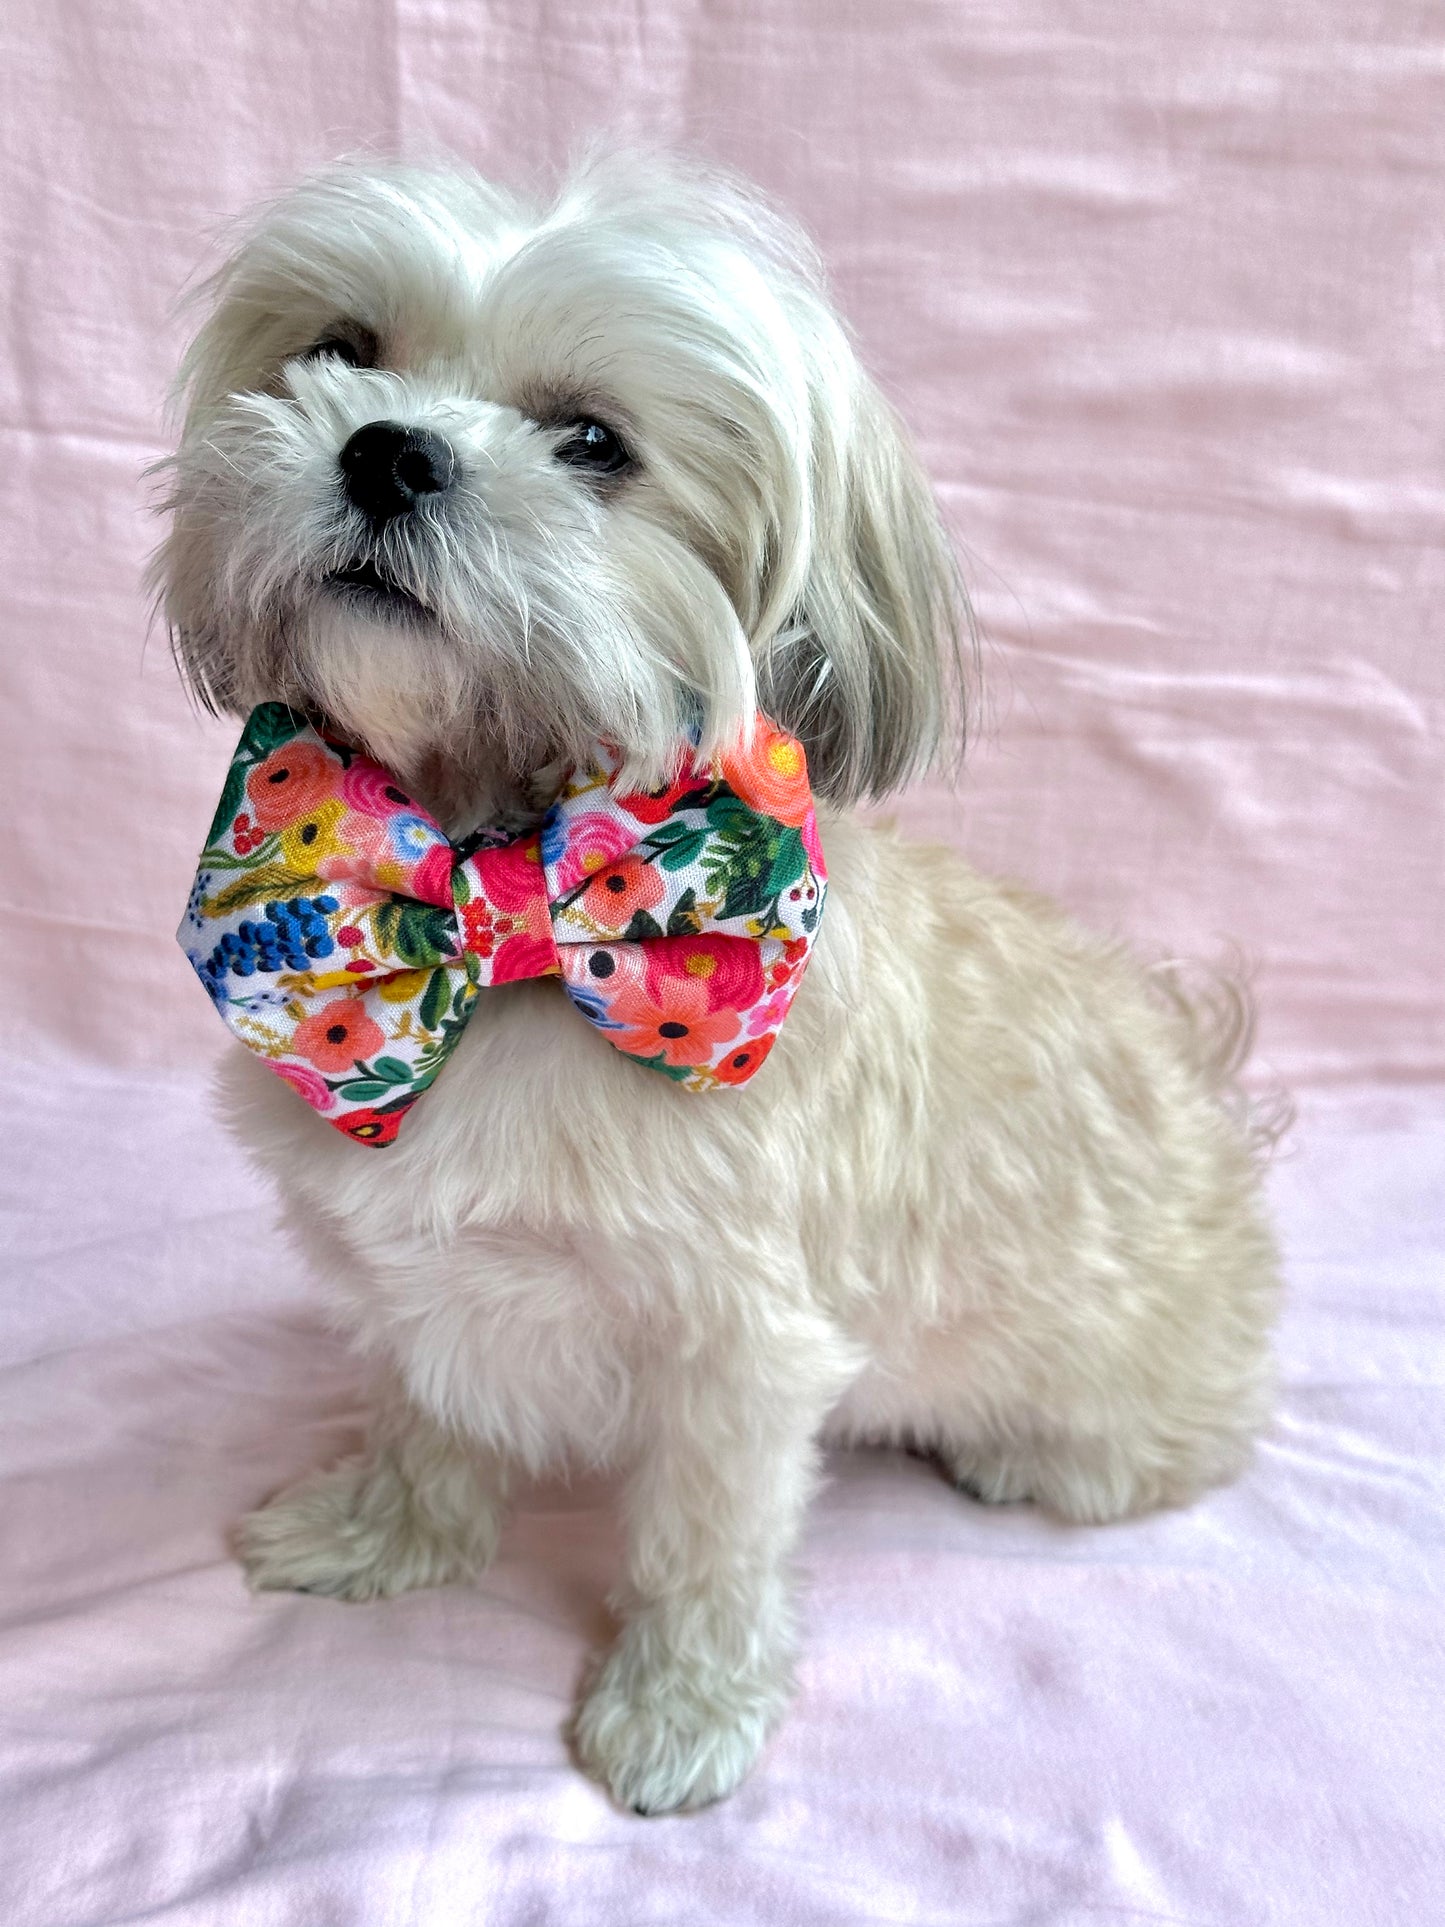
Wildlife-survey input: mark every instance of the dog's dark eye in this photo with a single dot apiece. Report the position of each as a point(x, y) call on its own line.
point(593, 446)
point(349, 342)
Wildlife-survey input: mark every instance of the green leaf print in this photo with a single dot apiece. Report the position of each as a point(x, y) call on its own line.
point(684, 921)
point(385, 920)
point(790, 860)
point(745, 875)
point(739, 858)
point(267, 727)
point(363, 1089)
point(683, 850)
point(424, 934)
point(232, 795)
point(434, 1000)
point(391, 1070)
point(729, 815)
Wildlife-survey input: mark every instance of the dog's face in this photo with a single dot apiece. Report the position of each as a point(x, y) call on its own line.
point(481, 485)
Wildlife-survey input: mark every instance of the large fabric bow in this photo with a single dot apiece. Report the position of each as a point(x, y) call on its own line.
point(344, 939)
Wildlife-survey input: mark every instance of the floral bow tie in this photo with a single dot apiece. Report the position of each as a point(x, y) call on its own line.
point(344, 939)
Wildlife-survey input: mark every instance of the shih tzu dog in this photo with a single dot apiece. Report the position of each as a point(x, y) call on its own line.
point(473, 487)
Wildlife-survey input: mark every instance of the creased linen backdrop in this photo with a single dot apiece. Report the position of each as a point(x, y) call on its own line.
point(1161, 290)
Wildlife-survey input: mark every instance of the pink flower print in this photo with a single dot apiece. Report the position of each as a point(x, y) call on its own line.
point(368, 788)
point(770, 1013)
point(507, 922)
point(306, 1082)
point(521, 957)
point(354, 848)
point(593, 840)
point(728, 966)
point(431, 880)
point(511, 878)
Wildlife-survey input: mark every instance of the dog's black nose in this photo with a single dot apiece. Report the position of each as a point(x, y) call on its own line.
point(387, 469)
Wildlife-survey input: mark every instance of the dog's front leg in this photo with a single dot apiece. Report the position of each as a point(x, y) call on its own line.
point(703, 1666)
point(418, 1507)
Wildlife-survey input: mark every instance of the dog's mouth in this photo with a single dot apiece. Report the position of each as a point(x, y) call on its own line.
point(367, 584)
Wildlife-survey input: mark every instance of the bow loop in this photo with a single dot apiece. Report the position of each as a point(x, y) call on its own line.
point(344, 939)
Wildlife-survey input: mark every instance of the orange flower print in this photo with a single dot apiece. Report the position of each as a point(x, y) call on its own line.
point(680, 1028)
point(291, 781)
point(339, 1034)
point(615, 895)
point(771, 776)
point(740, 1063)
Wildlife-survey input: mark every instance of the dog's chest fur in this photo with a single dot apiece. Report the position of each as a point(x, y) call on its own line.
point(553, 1222)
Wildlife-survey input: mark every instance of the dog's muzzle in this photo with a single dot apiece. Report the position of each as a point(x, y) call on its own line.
point(387, 469)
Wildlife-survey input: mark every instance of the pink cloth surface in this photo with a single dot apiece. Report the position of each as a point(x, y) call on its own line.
point(1228, 1715)
point(1160, 290)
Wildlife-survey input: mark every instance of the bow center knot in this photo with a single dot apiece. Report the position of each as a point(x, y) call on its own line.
point(506, 923)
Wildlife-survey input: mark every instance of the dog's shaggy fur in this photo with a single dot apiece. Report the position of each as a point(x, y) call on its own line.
point(988, 1196)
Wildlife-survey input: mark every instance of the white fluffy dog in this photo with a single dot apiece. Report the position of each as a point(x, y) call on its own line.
point(989, 1196)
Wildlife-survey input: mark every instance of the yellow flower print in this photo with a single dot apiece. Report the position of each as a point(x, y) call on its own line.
point(404, 986)
point(312, 838)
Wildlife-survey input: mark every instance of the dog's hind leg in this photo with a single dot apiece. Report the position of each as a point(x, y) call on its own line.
point(1091, 1480)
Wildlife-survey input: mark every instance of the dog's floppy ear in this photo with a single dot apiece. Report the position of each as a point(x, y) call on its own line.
point(868, 672)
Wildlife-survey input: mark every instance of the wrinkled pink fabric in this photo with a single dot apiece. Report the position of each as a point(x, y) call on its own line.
point(1160, 290)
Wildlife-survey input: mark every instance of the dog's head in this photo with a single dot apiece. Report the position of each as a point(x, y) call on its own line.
point(482, 484)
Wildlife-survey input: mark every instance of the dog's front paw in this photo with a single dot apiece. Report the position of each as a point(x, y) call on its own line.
point(661, 1739)
point(356, 1532)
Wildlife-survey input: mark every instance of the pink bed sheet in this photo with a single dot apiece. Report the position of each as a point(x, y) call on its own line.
point(1161, 291)
point(1228, 1716)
